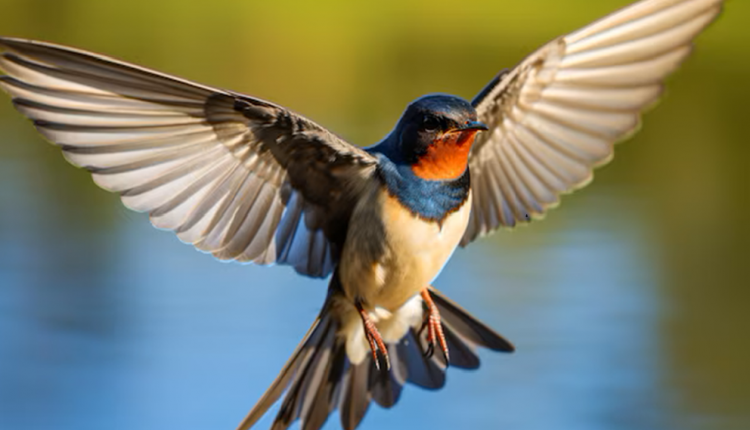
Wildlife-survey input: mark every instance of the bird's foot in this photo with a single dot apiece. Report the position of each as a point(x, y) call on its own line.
point(377, 346)
point(434, 327)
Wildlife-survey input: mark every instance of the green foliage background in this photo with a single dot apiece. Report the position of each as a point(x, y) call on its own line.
point(353, 66)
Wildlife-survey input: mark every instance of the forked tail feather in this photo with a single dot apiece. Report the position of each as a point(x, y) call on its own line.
point(319, 377)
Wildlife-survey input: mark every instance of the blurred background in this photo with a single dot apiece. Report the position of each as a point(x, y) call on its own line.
point(628, 305)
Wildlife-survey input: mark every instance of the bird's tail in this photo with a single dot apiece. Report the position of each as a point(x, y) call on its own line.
point(319, 377)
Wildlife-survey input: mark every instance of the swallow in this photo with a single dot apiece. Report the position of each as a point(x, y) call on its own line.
point(250, 181)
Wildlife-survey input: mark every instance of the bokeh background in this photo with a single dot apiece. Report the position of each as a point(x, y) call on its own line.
point(628, 305)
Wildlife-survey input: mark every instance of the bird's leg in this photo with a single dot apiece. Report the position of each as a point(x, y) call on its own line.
point(377, 346)
point(434, 327)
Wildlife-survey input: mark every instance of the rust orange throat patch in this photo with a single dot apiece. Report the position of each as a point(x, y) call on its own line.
point(447, 157)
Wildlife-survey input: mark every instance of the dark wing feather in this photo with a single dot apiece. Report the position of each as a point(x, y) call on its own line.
point(556, 116)
point(235, 176)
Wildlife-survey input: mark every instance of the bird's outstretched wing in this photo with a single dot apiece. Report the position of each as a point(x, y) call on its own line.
point(556, 116)
point(238, 177)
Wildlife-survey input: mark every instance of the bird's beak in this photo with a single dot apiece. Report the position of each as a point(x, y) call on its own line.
point(464, 133)
point(473, 125)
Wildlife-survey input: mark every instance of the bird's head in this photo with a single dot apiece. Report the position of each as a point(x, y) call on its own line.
point(435, 135)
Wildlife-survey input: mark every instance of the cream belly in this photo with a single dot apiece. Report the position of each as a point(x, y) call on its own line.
point(391, 254)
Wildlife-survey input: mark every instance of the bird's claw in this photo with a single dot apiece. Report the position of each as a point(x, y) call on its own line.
point(377, 345)
point(434, 327)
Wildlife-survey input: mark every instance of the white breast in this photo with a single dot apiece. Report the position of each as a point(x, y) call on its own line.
point(405, 254)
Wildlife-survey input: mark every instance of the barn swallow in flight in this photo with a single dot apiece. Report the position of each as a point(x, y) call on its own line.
point(247, 180)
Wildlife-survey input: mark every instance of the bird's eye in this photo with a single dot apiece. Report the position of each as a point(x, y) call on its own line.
point(430, 123)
